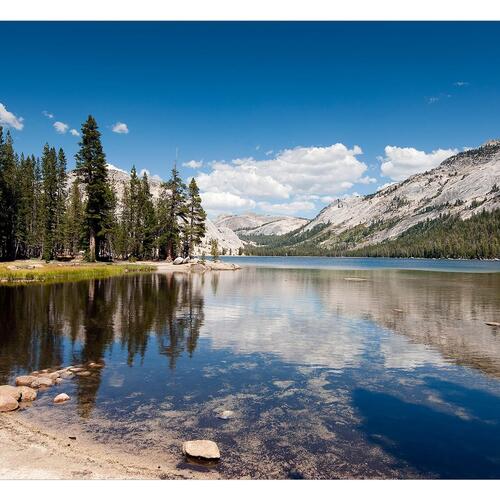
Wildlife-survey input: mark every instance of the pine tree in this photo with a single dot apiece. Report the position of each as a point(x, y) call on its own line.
point(92, 173)
point(214, 250)
point(148, 221)
point(61, 200)
point(194, 227)
point(73, 220)
point(8, 197)
point(171, 208)
point(50, 177)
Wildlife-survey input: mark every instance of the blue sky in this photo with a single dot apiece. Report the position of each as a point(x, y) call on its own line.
point(282, 117)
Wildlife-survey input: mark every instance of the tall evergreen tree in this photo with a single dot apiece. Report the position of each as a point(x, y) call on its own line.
point(50, 177)
point(194, 227)
point(74, 220)
point(171, 210)
point(8, 197)
point(61, 200)
point(148, 218)
point(93, 175)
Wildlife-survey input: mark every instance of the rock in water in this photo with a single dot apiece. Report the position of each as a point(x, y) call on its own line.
point(11, 391)
point(85, 373)
point(178, 260)
point(226, 414)
point(42, 382)
point(8, 403)
point(201, 448)
point(26, 380)
point(28, 394)
point(61, 398)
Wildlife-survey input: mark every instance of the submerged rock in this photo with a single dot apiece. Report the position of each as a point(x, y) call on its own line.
point(201, 448)
point(11, 391)
point(61, 398)
point(226, 414)
point(8, 403)
point(178, 260)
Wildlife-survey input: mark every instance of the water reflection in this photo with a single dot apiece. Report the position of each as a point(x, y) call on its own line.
point(328, 377)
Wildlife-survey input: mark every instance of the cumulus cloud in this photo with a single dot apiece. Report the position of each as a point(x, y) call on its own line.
point(193, 164)
point(400, 163)
point(74, 132)
point(219, 202)
point(60, 127)
point(10, 119)
point(289, 181)
point(292, 208)
point(47, 114)
point(120, 128)
point(298, 171)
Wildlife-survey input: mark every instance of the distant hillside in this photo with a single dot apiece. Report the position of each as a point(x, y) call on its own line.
point(462, 187)
point(249, 225)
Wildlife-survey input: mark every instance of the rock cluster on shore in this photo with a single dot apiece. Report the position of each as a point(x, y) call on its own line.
point(26, 386)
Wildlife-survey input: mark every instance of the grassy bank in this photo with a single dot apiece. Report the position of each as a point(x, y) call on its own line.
point(27, 272)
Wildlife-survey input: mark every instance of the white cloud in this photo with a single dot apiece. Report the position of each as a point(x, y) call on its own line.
point(217, 202)
point(461, 84)
point(193, 164)
point(292, 172)
point(120, 128)
point(10, 119)
point(150, 176)
point(47, 114)
point(400, 163)
point(61, 128)
point(74, 132)
point(293, 208)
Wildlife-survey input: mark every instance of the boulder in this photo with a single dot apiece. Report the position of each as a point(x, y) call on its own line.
point(28, 394)
point(61, 398)
point(11, 391)
point(8, 403)
point(58, 380)
point(67, 375)
point(178, 260)
point(42, 382)
point(85, 373)
point(26, 380)
point(53, 375)
point(201, 448)
point(187, 260)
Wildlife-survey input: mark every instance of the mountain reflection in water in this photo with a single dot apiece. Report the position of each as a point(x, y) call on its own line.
point(309, 360)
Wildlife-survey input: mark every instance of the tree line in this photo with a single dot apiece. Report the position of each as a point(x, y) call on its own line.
point(43, 215)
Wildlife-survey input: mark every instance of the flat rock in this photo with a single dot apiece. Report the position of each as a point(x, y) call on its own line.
point(355, 279)
point(61, 398)
point(492, 323)
point(226, 414)
point(8, 403)
point(76, 369)
point(26, 380)
point(201, 448)
point(11, 391)
point(28, 394)
point(42, 382)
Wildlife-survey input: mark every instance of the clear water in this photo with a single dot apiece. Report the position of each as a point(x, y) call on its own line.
point(393, 374)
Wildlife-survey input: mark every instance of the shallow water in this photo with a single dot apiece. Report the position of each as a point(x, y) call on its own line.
point(393, 375)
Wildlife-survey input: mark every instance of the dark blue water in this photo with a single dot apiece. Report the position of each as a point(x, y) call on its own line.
point(391, 375)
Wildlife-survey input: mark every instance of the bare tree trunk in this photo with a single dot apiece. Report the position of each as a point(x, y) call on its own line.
point(92, 246)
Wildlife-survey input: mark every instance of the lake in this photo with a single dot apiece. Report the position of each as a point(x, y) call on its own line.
point(334, 368)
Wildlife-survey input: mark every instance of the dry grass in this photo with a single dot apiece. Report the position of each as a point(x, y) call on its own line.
point(26, 272)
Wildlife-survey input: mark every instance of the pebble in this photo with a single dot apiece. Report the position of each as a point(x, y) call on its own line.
point(61, 398)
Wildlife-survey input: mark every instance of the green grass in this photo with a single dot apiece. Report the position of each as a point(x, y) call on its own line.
point(52, 273)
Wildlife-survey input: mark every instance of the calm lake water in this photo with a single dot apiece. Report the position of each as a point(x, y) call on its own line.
point(393, 374)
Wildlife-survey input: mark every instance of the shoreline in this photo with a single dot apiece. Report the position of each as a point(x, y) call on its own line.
point(29, 451)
